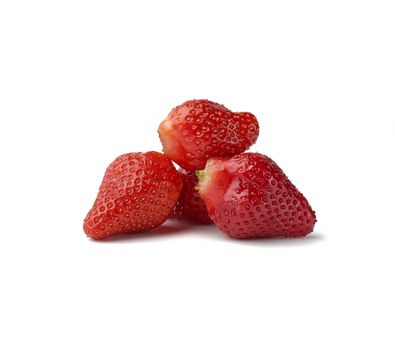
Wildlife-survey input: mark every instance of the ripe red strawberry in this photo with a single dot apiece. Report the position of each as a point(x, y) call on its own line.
point(190, 205)
point(138, 193)
point(249, 196)
point(200, 129)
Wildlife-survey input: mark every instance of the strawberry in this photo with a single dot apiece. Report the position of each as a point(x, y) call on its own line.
point(200, 129)
point(138, 193)
point(190, 205)
point(249, 196)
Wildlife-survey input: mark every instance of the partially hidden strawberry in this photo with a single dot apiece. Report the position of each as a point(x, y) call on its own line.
point(249, 196)
point(200, 129)
point(138, 193)
point(190, 205)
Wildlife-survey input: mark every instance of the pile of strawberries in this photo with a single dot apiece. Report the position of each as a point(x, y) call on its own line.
point(245, 194)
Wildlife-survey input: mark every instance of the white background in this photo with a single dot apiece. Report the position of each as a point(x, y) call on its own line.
point(82, 82)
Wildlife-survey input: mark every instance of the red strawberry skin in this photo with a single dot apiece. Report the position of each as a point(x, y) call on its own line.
point(200, 129)
point(249, 196)
point(138, 193)
point(190, 205)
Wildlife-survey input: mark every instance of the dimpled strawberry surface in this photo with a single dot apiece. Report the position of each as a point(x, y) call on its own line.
point(190, 205)
point(138, 193)
point(200, 129)
point(249, 196)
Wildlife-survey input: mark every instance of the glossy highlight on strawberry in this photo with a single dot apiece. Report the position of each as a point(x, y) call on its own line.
point(190, 205)
point(138, 193)
point(249, 196)
point(200, 129)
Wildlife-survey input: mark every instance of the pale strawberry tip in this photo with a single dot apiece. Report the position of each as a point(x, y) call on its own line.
point(172, 148)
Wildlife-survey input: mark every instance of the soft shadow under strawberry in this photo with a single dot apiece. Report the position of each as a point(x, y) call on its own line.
point(168, 229)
